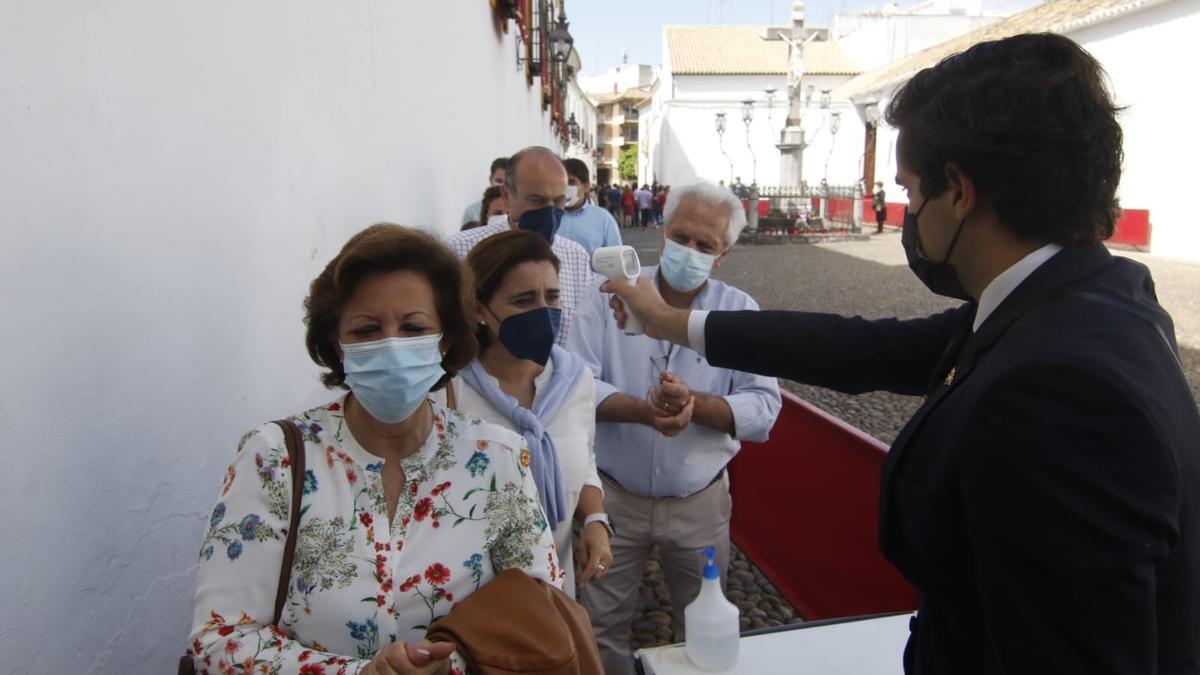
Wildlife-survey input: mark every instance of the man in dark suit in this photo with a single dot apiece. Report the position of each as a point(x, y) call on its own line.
point(1044, 499)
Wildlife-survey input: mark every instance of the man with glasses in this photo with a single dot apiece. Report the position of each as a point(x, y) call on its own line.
point(668, 423)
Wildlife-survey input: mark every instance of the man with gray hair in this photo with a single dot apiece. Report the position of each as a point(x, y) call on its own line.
point(668, 423)
point(535, 187)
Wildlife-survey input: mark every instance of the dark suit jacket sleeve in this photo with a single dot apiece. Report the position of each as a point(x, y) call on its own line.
point(1071, 497)
point(849, 354)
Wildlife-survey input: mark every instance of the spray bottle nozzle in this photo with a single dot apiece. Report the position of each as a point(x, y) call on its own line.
point(710, 566)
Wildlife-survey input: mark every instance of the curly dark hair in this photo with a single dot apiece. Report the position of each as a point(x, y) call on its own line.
point(493, 258)
point(385, 248)
point(1030, 119)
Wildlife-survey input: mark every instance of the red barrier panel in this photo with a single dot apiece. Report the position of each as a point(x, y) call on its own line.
point(1133, 229)
point(806, 507)
point(894, 213)
point(840, 209)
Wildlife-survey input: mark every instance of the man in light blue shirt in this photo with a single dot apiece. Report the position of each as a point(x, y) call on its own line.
point(587, 224)
point(495, 177)
point(668, 423)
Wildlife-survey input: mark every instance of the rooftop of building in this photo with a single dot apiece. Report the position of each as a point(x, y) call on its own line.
point(1053, 16)
point(745, 50)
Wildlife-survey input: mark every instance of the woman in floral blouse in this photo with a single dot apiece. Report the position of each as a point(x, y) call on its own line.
point(407, 507)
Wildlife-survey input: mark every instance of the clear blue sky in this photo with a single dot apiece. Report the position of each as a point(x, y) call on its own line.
point(602, 28)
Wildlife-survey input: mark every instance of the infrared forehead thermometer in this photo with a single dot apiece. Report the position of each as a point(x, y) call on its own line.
point(621, 265)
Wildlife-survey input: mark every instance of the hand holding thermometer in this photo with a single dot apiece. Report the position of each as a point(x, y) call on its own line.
point(621, 265)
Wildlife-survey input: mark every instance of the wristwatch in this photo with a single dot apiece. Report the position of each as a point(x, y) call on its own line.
point(599, 518)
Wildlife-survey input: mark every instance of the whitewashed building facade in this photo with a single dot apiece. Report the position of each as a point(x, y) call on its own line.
point(1138, 42)
point(713, 70)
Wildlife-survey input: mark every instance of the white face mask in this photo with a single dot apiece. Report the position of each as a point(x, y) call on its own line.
point(498, 219)
point(572, 195)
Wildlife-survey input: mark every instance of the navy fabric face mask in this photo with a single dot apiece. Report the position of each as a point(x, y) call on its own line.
point(543, 221)
point(531, 335)
point(938, 277)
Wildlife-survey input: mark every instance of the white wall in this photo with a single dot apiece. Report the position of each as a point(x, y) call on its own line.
point(1160, 143)
point(578, 104)
point(1147, 56)
point(172, 176)
point(875, 40)
point(617, 79)
point(683, 140)
point(735, 88)
point(680, 141)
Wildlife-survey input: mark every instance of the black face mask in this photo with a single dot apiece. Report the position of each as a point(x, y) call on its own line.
point(530, 335)
point(543, 221)
point(938, 277)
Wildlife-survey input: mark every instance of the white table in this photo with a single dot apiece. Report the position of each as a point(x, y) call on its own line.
point(860, 647)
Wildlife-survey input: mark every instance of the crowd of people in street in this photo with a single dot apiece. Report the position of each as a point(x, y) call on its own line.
point(500, 438)
point(632, 206)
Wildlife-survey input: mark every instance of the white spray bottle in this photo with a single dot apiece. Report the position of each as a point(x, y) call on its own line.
point(711, 622)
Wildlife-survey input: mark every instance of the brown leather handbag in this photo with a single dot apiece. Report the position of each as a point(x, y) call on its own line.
point(518, 624)
point(295, 450)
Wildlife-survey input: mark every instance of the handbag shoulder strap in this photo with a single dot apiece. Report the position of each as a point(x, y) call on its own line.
point(295, 450)
point(451, 403)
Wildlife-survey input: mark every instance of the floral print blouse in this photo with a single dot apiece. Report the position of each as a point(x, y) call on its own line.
point(358, 583)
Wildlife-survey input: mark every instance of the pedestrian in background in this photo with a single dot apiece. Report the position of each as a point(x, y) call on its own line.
point(627, 207)
point(644, 199)
point(587, 224)
point(879, 204)
point(495, 179)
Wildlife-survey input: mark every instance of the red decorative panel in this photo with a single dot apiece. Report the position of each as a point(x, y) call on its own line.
point(806, 509)
point(1133, 228)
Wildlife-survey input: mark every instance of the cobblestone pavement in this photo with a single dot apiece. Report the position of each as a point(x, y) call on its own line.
point(871, 279)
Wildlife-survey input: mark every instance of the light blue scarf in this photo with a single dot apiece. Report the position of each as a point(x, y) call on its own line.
point(547, 472)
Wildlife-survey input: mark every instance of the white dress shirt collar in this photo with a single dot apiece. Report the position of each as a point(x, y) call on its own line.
point(1008, 280)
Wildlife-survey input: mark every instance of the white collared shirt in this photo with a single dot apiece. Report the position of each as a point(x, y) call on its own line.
point(1008, 280)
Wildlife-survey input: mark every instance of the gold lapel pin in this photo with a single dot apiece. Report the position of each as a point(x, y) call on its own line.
point(949, 377)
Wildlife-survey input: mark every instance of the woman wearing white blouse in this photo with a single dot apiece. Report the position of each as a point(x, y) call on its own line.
point(525, 382)
point(407, 507)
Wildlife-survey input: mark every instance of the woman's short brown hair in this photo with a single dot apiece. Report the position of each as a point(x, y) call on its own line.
point(491, 194)
point(380, 249)
point(493, 258)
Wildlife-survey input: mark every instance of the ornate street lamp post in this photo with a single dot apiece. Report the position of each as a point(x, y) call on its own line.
point(748, 117)
point(721, 143)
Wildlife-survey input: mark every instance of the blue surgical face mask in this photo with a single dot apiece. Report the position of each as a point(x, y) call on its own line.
point(392, 376)
point(543, 221)
point(530, 335)
point(684, 268)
